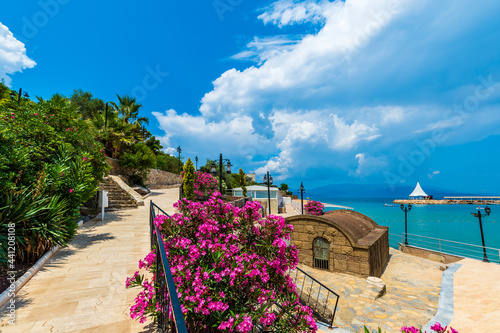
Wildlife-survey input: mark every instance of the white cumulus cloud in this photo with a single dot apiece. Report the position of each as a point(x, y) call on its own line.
point(13, 56)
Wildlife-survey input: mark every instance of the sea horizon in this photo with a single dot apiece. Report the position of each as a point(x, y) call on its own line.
point(448, 222)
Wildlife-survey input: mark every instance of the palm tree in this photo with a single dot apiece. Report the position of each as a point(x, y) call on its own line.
point(128, 108)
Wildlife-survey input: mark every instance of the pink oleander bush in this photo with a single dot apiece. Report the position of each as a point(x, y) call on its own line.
point(314, 208)
point(204, 185)
point(229, 266)
point(436, 328)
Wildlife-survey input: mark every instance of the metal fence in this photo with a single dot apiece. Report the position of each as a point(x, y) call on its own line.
point(449, 247)
point(166, 293)
point(316, 295)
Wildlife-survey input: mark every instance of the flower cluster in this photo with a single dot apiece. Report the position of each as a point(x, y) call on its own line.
point(437, 328)
point(314, 208)
point(204, 185)
point(229, 266)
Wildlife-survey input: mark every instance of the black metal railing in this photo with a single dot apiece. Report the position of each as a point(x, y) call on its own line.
point(317, 296)
point(166, 293)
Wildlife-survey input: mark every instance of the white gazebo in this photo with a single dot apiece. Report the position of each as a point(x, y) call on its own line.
point(418, 193)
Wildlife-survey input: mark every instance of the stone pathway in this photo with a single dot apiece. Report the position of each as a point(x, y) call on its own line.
point(413, 286)
point(82, 287)
point(476, 296)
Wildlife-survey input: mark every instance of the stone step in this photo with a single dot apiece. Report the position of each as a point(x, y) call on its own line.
point(117, 197)
point(122, 206)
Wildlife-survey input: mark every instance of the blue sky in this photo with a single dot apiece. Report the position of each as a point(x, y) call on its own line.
point(364, 91)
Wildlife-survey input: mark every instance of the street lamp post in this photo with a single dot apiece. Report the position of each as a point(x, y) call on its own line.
point(106, 118)
point(268, 180)
point(196, 159)
point(179, 150)
point(301, 191)
point(20, 93)
point(406, 209)
point(221, 164)
point(487, 210)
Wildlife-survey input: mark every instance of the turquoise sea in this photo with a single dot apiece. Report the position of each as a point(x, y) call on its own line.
point(450, 222)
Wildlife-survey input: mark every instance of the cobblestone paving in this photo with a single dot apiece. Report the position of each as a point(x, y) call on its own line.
point(413, 286)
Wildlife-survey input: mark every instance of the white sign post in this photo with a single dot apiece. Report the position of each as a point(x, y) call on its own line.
point(103, 202)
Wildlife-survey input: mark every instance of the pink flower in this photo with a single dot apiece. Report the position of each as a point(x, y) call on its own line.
point(71, 191)
point(437, 327)
point(246, 325)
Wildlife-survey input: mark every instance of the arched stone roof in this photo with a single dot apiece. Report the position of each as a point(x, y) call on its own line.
point(360, 230)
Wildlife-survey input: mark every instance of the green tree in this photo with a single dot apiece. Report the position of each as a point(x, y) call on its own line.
point(284, 187)
point(154, 144)
point(87, 105)
point(50, 164)
point(243, 182)
point(139, 159)
point(128, 108)
point(188, 179)
point(167, 162)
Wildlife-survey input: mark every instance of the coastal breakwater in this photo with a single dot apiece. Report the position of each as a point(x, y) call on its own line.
point(421, 202)
point(446, 202)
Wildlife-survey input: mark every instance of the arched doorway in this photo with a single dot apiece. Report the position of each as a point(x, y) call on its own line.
point(321, 250)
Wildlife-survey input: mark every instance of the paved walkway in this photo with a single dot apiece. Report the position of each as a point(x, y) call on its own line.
point(413, 286)
point(82, 287)
point(476, 295)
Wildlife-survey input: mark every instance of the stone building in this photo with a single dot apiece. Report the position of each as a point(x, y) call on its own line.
point(341, 241)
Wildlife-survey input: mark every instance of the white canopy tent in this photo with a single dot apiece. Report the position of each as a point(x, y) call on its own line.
point(418, 192)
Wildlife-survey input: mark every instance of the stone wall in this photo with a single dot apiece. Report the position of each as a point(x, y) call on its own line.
point(156, 178)
point(444, 258)
point(265, 203)
point(161, 179)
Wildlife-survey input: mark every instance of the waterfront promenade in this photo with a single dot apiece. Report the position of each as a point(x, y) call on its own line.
point(82, 287)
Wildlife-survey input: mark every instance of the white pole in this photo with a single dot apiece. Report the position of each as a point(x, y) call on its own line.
point(103, 204)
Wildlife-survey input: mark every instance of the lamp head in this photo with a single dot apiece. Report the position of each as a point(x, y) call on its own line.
point(487, 210)
point(179, 150)
point(402, 206)
point(228, 167)
point(212, 167)
point(409, 207)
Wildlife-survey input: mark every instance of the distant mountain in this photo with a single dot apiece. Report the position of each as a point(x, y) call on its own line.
point(350, 190)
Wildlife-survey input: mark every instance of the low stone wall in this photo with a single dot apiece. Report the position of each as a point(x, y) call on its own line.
point(240, 203)
point(429, 254)
point(158, 179)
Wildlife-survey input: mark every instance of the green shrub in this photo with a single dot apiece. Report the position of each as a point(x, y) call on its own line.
point(50, 164)
point(140, 159)
point(243, 182)
point(188, 180)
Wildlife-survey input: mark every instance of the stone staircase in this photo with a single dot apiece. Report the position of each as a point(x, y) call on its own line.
point(120, 195)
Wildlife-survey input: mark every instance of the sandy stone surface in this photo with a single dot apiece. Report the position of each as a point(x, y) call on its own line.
point(476, 292)
point(82, 287)
point(413, 286)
